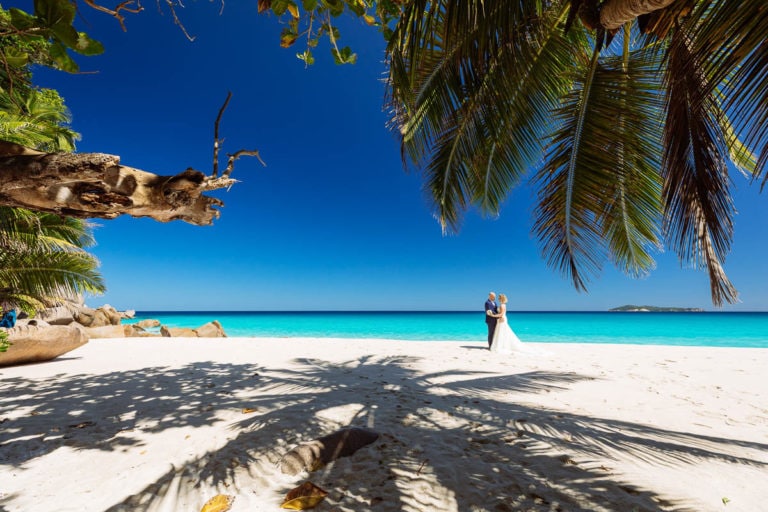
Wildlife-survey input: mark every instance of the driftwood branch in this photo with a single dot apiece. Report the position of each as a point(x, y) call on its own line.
point(97, 185)
point(216, 140)
point(235, 156)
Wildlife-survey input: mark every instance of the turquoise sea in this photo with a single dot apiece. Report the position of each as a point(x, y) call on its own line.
point(689, 329)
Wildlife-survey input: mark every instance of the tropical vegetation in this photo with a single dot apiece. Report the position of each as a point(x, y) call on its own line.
point(631, 126)
point(43, 261)
point(630, 116)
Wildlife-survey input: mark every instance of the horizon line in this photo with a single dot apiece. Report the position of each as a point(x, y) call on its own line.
point(417, 311)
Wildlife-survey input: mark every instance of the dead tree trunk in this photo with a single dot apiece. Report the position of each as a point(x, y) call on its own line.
point(96, 185)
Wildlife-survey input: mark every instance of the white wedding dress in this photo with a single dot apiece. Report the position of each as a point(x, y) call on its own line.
point(505, 341)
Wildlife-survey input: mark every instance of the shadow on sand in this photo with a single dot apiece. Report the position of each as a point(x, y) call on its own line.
point(522, 443)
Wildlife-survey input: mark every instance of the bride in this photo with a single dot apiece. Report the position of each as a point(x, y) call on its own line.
point(505, 341)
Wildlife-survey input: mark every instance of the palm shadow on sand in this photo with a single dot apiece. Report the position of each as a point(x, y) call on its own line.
point(522, 443)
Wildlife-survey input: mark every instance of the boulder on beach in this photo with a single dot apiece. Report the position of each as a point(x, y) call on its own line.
point(34, 322)
point(32, 343)
point(210, 330)
point(105, 315)
point(60, 315)
point(84, 315)
point(108, 331)
point(149, 322)
point(178, 332)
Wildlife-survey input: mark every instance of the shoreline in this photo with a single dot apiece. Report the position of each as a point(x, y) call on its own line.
point(679, 329)
point(159, 424)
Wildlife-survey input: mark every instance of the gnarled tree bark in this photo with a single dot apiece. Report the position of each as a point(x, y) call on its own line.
point(614, 13)
point(97, 185)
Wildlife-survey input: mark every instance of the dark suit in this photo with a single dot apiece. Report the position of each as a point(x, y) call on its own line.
point(491, 320)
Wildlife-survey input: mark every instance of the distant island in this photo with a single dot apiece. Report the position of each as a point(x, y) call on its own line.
point(655, 309)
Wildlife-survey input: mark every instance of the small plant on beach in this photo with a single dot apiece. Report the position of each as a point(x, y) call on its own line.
point(4, 343)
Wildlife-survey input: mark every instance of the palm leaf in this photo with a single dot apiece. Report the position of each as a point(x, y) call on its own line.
point(742, 158)
point(632, 207)
point(37, 120)
point(565, 222)
point(473, 126)
point(698, 207)
point(729, 41)
point(19, 226)
point(42, 262)
point(48, 277)
point(600, 188)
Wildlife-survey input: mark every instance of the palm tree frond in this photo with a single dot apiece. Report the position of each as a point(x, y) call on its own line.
point(729, 42)
point(49, 277)
point(473, 126)
point(38, 120)
point(632, 199)
point(600, 184)
point(565, 222)
point(698, 206)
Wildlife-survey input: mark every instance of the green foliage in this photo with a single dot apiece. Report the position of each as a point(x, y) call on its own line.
point(36, 118)
point(43, 261)
point(42, 256)
point(344, 55)
point(4, 343)
point(46, 36)
point(629, 148)
point(312, 20)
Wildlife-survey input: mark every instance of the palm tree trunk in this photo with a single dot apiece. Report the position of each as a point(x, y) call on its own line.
point(96, 185)
point(614, 13)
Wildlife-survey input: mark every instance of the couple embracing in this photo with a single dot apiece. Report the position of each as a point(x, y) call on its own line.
point(501, 338)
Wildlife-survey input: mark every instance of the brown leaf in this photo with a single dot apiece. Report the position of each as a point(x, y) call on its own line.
point(305, 496)
point(219, 503)
point(264, 5)
point(287, 39)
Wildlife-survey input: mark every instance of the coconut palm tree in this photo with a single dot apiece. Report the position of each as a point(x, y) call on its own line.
point(36, 118)
point(631, 117)
point(42, 256)
point(43, 261)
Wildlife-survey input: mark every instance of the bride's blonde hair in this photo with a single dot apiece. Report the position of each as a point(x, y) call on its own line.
point(502, 298)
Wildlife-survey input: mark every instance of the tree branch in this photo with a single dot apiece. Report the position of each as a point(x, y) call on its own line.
point(232, 157)
point(96, 185)
point(235, 156)
point(177, 21)
point(122, 6)
point(216, 140)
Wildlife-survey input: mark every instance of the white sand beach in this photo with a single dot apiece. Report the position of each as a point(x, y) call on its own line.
point(148, 424)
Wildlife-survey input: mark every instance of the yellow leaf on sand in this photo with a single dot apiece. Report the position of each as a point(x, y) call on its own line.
point(305, 496)
point(293, 10)
point(248, 410)
point(219, 503)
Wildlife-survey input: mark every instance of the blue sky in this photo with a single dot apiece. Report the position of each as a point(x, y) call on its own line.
point(333, 222)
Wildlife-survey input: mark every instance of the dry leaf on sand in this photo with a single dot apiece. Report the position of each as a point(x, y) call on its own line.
point(305, 496)
point(219, 503)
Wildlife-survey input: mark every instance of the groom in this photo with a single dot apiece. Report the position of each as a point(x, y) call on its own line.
point(491, 308)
